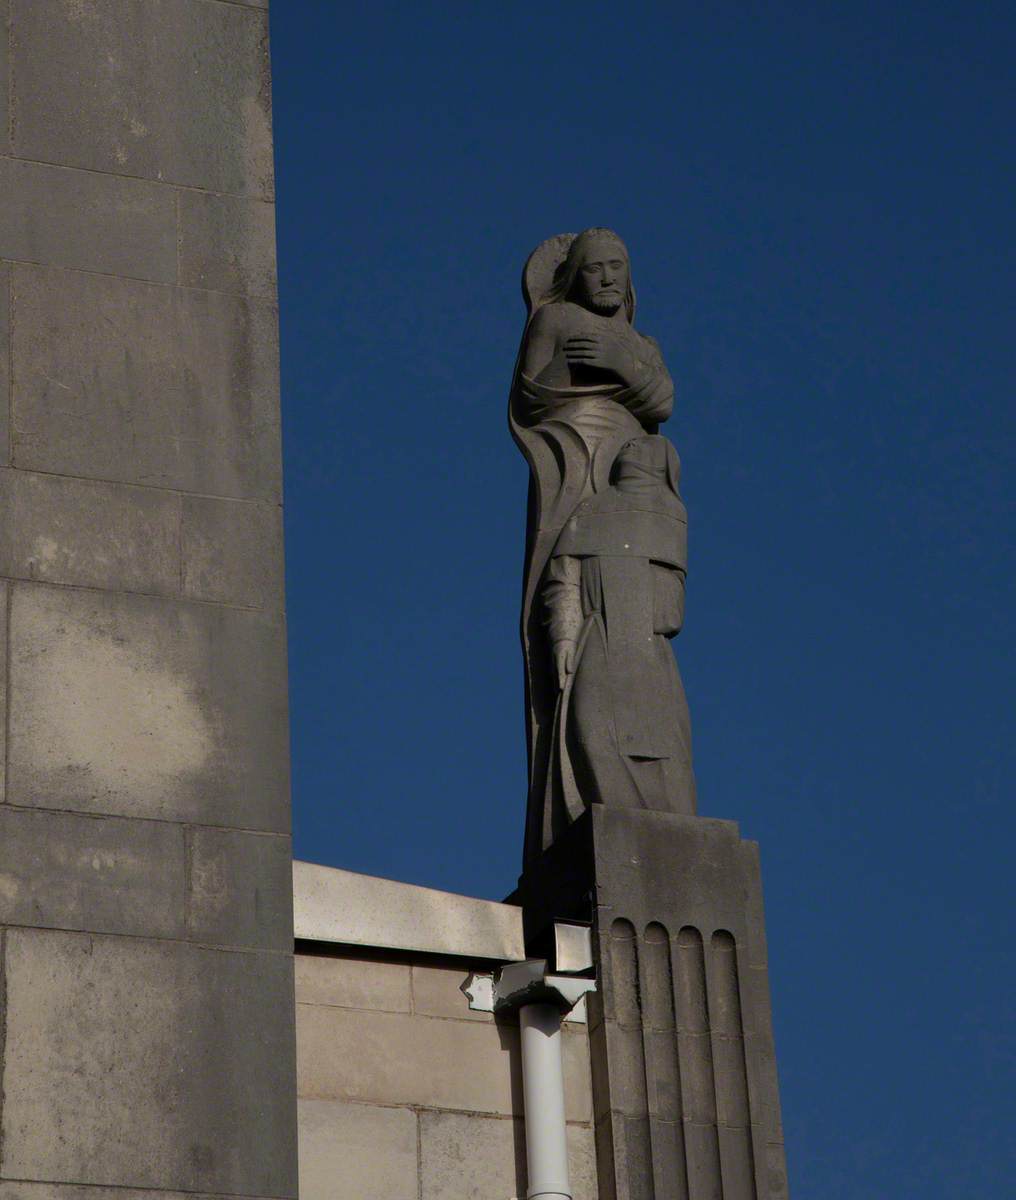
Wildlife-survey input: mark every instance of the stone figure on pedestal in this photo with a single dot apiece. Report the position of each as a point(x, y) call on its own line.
point(680, 1032)
point(614, 593)
point(605, 547)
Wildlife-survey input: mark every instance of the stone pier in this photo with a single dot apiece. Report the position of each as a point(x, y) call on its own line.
point(146, 961)
point(685, 1093)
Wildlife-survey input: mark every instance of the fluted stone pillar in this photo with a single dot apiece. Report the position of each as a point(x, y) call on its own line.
point(685, 1094)
point(145, 885)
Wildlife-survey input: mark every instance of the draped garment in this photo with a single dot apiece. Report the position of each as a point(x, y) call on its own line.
point(614, 588)
point(570, 436)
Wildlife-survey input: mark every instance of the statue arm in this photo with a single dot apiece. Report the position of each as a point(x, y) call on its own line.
point(562, 600)
point(653, 398)
point(635, 361)
point(541, 346)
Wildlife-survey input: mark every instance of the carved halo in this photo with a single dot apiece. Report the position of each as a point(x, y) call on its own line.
point(542, 267)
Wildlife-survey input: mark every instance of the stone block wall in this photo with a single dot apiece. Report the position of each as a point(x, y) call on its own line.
point(406, 1094)
point(145, 880)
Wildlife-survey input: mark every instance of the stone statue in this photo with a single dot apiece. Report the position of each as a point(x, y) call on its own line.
point(605, 545)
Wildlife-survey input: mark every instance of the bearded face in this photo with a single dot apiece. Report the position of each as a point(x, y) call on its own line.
point(601, 282)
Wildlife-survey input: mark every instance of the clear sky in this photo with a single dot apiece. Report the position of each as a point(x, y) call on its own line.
point(819, 204)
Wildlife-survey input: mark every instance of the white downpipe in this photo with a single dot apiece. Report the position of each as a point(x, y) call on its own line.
point(543, 1095)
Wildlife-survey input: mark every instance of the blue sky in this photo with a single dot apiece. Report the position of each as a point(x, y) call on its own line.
point(818, 201)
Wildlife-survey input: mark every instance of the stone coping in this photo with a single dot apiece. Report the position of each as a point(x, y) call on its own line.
point(347, 908)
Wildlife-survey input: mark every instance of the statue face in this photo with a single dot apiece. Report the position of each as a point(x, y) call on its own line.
point(601, 282)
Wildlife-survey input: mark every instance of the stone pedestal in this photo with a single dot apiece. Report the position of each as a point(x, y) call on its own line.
point(685, 1093)
point(146, 969)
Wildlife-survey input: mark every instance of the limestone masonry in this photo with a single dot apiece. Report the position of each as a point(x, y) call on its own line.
point(183, 1010)
point(146, 959)
point(401, 1085)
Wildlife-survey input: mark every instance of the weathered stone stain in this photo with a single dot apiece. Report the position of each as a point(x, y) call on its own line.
point(104, 703)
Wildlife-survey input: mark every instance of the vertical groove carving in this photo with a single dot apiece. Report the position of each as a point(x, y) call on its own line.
point(696, 1063)
point(663, 1072)
point(730, 1071)
point(631, 1101)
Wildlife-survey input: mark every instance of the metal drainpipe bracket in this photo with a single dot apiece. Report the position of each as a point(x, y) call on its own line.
point(479, 988)
point(520, 983)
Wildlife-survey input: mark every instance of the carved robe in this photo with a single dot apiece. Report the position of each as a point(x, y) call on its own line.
point(570, 436)
point(614, 589)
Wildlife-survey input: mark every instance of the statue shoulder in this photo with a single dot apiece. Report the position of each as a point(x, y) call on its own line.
point(547, 319)
point(542, 339)
point(548, 327)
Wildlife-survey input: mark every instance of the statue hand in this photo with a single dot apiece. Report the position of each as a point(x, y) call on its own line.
point(608, 351)
point(564, 662)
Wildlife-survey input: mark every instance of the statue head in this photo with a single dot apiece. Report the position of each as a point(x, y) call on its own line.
point(647, 463)
point(596, 274)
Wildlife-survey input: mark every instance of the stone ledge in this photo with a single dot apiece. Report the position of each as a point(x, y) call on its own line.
point(347, 908)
